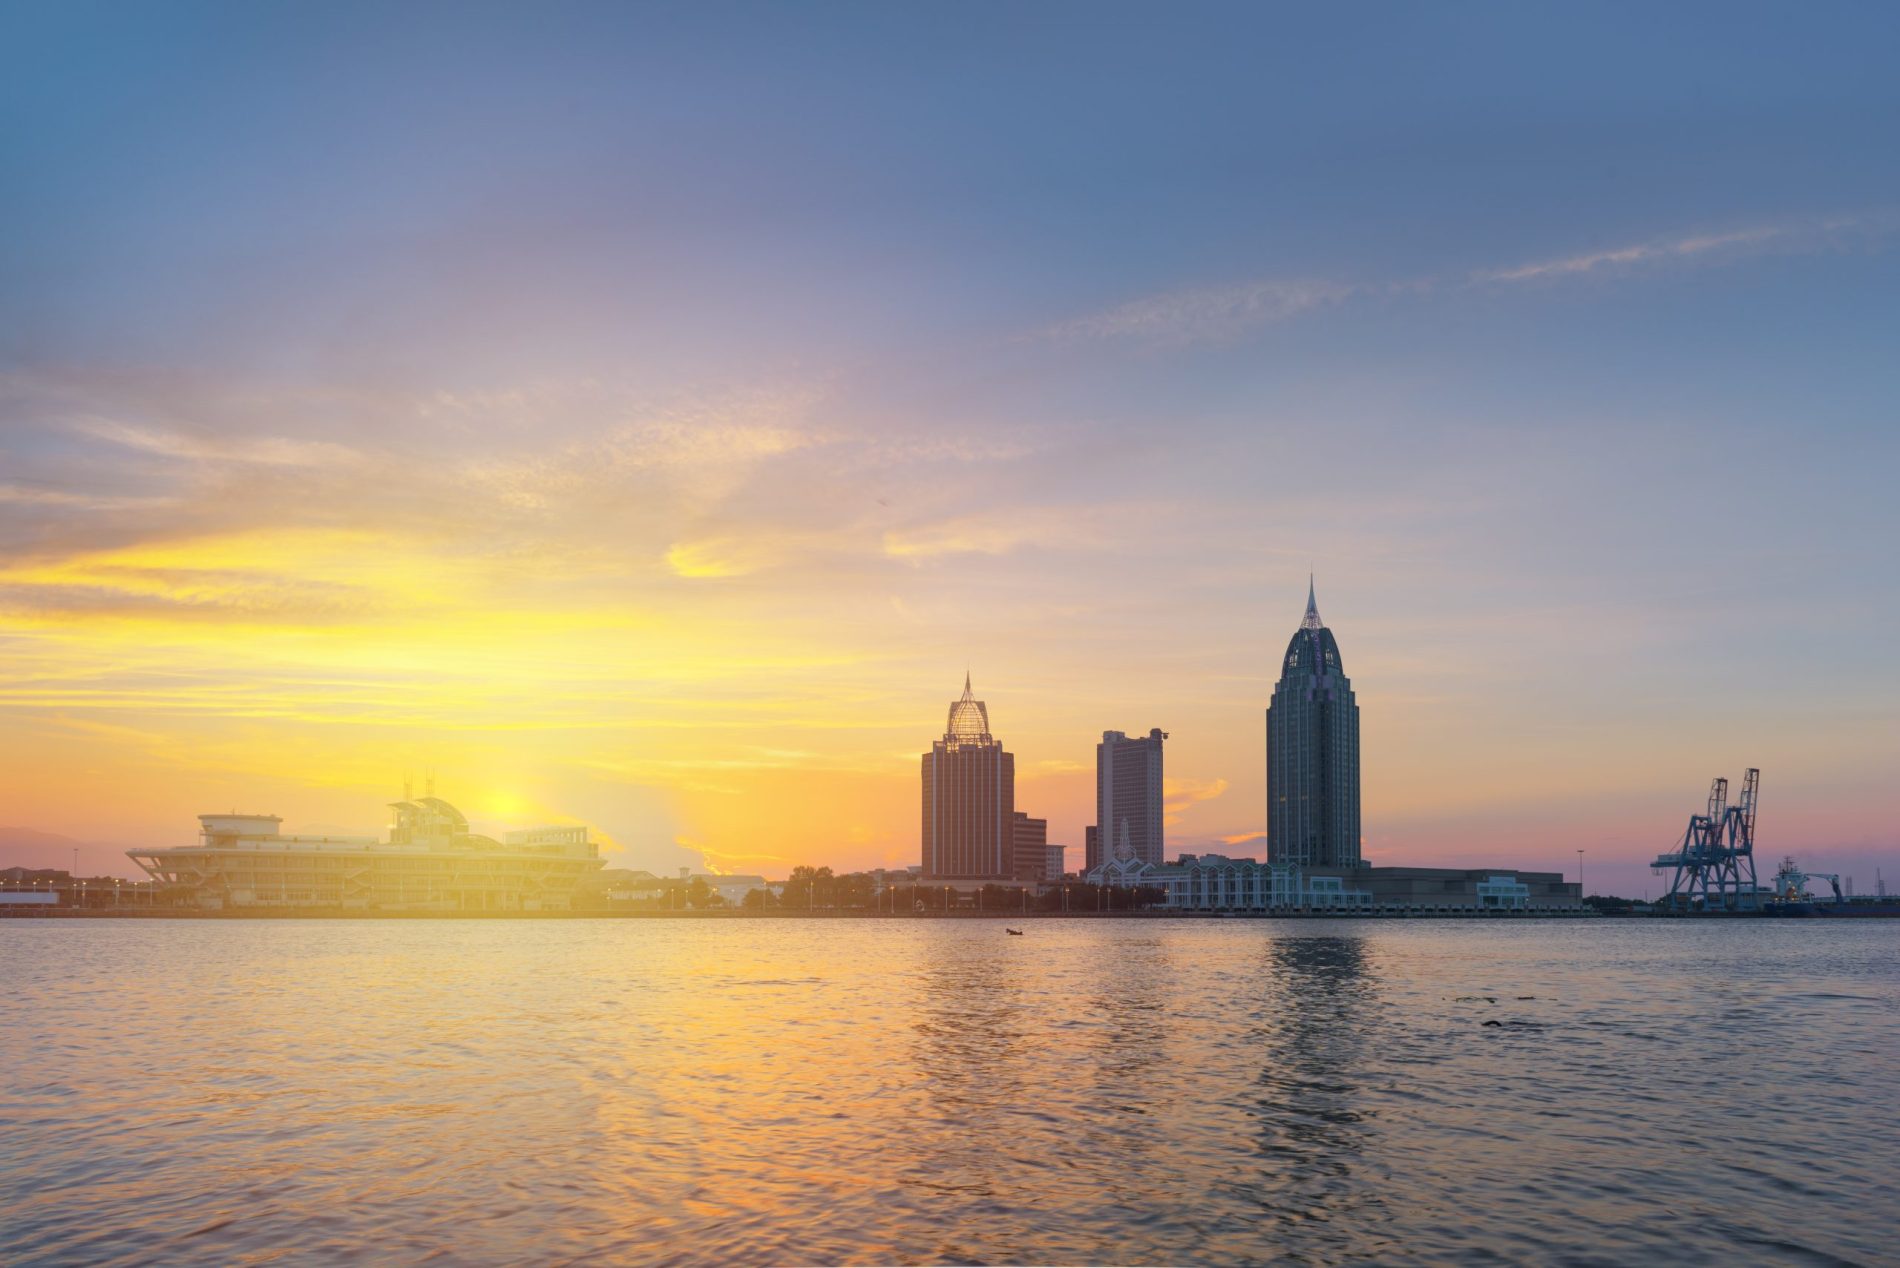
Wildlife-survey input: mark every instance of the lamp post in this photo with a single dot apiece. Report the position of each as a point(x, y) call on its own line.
point(1580, 878)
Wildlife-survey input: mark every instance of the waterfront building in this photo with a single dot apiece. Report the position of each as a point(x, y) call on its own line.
point(1055, 862)
point(430, 863)
point(1128, 797)
point(1031, 849)
point(969, 799)
point(620, 886)
point(1214, 882)
point(1313, 753)
point(1467, 889)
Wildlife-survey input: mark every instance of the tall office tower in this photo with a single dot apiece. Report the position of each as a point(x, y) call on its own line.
point(1127, 798)
point(1091, 848)
point(969, 799)
point(1313, 753)
point(1032, 848)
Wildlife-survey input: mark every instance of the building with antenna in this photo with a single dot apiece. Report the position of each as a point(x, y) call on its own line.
point(1128, 802)
point(1313, 753)
point(969, 799)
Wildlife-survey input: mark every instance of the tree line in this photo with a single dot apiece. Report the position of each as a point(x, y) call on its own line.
point(815, 889)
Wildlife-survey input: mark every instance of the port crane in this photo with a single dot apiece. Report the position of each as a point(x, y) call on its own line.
point(1715, 861)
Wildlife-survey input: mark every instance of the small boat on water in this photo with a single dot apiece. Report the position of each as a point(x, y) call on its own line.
point(1015, 933)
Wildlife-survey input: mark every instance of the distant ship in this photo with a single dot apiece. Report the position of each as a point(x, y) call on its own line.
point(1792, 898)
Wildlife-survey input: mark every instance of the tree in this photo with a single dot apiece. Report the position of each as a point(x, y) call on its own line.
point(700, 895)
point(808, 888)
point(855, 890)
point(757, 900)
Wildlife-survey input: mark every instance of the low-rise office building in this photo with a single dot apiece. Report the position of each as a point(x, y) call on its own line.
point(1214, 882)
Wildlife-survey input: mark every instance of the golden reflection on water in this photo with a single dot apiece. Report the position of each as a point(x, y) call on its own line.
point(923, 1090)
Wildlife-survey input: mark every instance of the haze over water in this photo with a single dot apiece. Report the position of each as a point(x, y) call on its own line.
point(870, 1091)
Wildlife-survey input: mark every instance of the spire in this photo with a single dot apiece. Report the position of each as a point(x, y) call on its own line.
point(1312, 621)
point(969, 719)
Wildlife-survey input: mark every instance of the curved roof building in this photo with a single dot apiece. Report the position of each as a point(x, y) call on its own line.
point(431, 863)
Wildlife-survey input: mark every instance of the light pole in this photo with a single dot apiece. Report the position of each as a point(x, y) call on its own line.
point(1579, 878)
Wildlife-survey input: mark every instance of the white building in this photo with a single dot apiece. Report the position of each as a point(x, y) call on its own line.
point(430, 863)
point(1213, 882)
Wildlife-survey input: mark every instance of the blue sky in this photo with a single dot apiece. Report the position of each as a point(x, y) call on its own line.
point(1060, 340)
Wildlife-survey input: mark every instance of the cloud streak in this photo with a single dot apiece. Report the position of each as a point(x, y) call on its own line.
point(269, 451)
point(1226, 311)
point(1204, 313)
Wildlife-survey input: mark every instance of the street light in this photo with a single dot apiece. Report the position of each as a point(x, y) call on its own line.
point(1579, 877)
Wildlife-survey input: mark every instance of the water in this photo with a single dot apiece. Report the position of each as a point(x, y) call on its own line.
point(902, 1091)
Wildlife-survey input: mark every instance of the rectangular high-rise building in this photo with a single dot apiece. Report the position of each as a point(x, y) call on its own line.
point(969, 803)
point(1128, 807)
point(1313, 754)
point(1032, 848)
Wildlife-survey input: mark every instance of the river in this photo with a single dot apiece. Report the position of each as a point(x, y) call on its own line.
point(922, 1090)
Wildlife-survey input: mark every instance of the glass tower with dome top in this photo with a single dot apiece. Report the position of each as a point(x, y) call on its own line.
point(1313, 753)
point(969, 811)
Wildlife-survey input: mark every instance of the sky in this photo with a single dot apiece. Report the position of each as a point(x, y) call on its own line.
point(643, 416)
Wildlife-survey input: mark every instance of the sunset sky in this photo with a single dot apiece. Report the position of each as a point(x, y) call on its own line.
point(644, 416)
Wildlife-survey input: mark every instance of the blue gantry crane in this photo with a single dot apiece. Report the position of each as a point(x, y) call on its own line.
point(1715, 863)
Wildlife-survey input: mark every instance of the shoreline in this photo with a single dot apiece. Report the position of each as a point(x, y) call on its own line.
point(1003, 916)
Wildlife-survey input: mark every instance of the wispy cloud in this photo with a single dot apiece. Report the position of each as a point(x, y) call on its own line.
point(1203, 313)
point(1637, 254)
point(271, 451)
point(1225, 311)
point(995, 533)
point(24, 495)
point(1179, 794)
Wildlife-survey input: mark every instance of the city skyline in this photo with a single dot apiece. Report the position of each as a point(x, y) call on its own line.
point(643, 449)
point(630, 430)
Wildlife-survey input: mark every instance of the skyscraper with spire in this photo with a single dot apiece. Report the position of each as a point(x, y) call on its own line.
point(1313, 753)
point(969, 819)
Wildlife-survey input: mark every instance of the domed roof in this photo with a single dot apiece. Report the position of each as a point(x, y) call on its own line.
point(969, 720)
point(1312, 650)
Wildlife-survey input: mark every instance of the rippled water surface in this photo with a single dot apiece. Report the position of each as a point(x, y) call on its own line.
point(898, 1091)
